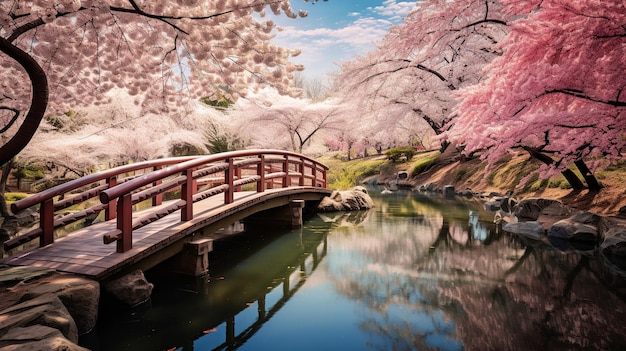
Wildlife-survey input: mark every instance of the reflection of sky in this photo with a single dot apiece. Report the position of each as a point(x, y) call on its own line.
point(362, 296)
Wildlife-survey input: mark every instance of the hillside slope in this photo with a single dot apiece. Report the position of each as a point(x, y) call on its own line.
point(451, 169)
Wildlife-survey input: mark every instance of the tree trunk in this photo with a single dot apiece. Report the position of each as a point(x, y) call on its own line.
point(39, 102)
point(349, 151)
point(592, 181)
point(569, 175)
point(6, 169)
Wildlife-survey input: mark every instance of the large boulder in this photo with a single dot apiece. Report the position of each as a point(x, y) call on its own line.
point(349, 200)
point(582, 226)
point(530, 229)
point(132, 289)
point(613, 247)
point(36, 338)
point(79, 295)
point(531, 209)
point(47, 310)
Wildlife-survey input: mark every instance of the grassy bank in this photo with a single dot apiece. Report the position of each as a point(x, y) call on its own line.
point(509, 174)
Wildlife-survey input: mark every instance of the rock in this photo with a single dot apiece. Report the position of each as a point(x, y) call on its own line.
point(37, 338)
point(428, 187)
point(132, 289)
point(530, 229)
point(23, 273)
point(47, 310)
point(349, 200)
point(507, 204)
point(448, 191)
point(492, 206)
point(27, 218)
point(468, 193)
point(79, 295)
point(580, 227)
point(613, 247)
point(530, 209)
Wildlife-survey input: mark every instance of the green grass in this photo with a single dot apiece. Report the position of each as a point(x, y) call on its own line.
point(424, 161)
point(344, 175)
point(12, 197)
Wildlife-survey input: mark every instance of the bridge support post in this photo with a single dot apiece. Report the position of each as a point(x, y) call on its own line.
point(194, 259)
point(296, 207)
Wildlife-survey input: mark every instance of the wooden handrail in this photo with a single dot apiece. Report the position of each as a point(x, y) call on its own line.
point(119, 195)
point(89, 179)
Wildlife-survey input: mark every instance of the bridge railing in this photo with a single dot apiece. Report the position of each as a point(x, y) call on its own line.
point(56, 199)
point(197, 178)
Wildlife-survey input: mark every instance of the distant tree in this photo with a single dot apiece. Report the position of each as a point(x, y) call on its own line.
point(558, 90)
point(74, 52)
point(413, 74)
point(218, 139)
point(270, 119)
point(98, 138)
point(314, 89)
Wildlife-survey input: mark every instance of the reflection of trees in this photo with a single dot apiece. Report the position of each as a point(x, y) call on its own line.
point(551, 301)
point(500, 293)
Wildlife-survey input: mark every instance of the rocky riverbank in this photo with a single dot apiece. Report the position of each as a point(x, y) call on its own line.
point(550, 221)
point(41, 309)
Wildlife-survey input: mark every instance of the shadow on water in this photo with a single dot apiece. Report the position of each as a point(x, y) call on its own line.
point(251, 277)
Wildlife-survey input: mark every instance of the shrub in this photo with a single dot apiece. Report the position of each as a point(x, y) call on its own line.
point(400, 154)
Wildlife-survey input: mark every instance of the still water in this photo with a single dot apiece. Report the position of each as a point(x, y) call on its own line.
point(414, 273)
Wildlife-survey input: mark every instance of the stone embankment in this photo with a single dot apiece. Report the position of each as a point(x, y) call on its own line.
point(41, 309)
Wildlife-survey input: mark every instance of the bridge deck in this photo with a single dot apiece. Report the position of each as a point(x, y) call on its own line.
point(83, 252)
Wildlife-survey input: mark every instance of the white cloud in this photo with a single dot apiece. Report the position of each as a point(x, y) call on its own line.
point(323, 46)
point(395, 10)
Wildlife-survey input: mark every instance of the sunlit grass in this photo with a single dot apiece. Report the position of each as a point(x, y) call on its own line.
point(346, 174)
point(423, 162)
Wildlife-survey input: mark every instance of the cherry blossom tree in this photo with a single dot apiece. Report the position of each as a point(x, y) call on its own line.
point(274, 120)
point(114, 134)
point(558, 90)
point(57, 54)
point(441, 47)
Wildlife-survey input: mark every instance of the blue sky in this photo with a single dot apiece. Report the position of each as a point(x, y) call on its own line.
point(336, 30)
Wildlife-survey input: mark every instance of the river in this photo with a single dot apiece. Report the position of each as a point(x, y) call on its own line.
point(414, 273)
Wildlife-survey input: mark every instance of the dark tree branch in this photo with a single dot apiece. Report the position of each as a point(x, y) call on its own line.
point(16, 114)
point(579, 94)
point(409, 62)
point(39, 101)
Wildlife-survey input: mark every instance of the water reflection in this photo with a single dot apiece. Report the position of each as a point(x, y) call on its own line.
point(221, 312)
point(414, 273)
point(499, 292)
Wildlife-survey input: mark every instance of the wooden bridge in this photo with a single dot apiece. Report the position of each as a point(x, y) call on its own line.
point(152, 210)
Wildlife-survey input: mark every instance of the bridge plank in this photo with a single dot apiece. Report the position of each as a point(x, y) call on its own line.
point(83, 252)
